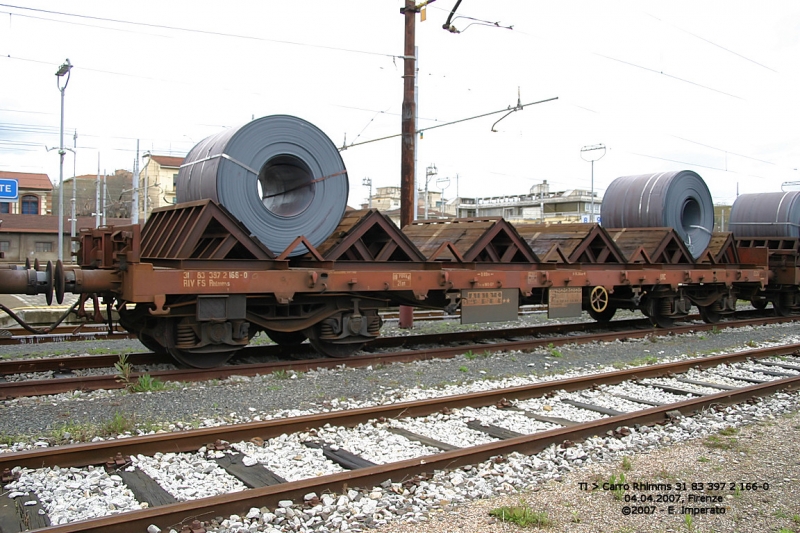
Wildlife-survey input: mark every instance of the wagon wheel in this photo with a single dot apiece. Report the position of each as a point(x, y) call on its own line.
point(204, 357)
point(599, 307)
point(604, 316)
point(151, 344)
point(198, 359)
point(709, 313)
point(286, 338)
point(328, 348)
point(654, 309)
point(783, 304)
point(662, 321)
point(759, 303)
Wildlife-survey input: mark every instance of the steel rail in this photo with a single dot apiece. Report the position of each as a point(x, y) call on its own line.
point(60, 364)
point(17, 389)
point(236, 503)
point(83, 332)
point(93, 453)
point(18, 366)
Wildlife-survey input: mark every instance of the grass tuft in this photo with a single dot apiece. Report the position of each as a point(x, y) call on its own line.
point(522, 515)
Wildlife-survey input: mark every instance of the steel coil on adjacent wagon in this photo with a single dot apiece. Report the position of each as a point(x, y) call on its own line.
point(679, 199)
point(280, 175)
point(771, 214)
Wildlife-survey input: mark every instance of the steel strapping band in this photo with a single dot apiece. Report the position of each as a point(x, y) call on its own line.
point(764, 224)
point(226, 156)
point(323, 178)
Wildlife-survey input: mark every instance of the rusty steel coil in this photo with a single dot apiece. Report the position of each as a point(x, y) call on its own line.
point(679, 200)
point(769, 214)
point(279, 175)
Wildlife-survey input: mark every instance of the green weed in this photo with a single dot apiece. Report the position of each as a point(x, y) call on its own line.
point(522, 516)
point(124, 370)
point(619, 492)
point(147, 383)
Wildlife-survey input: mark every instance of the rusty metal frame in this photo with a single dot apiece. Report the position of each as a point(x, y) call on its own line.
point(578, 243)
point(108, 246)
point(474, 240)
point(661, 245)
point(201, 230)
point(368, 235)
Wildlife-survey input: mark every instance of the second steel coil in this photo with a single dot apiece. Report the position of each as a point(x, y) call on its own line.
point(679, 200)
point(769, 214)
point(280, 175)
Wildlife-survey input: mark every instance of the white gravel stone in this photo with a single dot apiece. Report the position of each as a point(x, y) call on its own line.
point(554, 407)
point(188, 476)
point(450, 429)
point(70, 494)
point(289, 458)
point(374, 443)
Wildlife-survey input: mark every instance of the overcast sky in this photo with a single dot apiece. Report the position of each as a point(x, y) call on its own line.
point(710, 86)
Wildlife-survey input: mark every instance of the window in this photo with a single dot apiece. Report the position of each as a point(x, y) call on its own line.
point(44, 247)
point(30, 205)
point(175, 182)
point(5, 246)
point(5, 207)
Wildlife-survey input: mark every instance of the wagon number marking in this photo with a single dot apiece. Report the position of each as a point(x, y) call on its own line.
point(216, 278)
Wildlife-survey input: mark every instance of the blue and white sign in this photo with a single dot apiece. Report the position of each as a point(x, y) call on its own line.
point(9, 189)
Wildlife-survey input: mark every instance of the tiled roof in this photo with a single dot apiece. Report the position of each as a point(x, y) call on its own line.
point(168, 160)
point(48, 223)
point(29, 181)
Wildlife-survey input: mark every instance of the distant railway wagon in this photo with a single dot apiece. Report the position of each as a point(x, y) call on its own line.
point(260, 242)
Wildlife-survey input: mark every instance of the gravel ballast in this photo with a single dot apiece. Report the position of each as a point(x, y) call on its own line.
point(442, 503)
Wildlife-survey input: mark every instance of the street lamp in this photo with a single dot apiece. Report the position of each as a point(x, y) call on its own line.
point(592, 157)
point(367, 182)
point(430, 172)
point(63, 70)
point(442, 184)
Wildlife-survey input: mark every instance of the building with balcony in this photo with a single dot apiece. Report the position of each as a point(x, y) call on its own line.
point(539, 205)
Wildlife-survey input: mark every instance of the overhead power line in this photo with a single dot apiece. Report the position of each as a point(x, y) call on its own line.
point(712, 43)
point(194, 30)
point(669, 76)
point(506, 110)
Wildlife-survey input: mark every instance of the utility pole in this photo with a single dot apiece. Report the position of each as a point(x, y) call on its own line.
point(592, 158)
point(408, 143)
point(367, 182)
point(105, 195)
point(429, 173)
point(443, 183)
point(146, 187)
point(409, 112)
point(135, 199)
point(73, 220)
point(416, 129)
point(63, 70)
point(97, 195)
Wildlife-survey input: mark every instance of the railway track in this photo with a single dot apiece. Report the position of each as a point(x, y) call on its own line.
point(95, 331)
point(419, 347)
point(555, 412)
